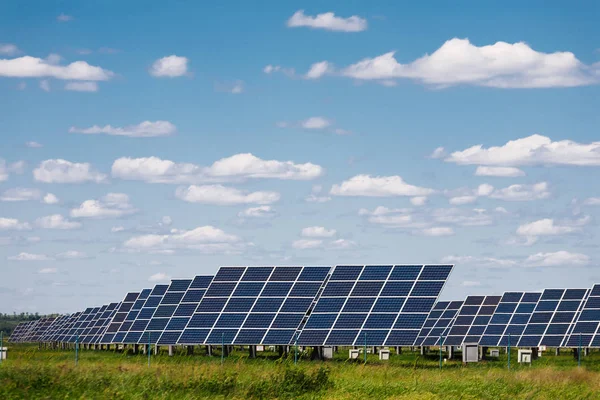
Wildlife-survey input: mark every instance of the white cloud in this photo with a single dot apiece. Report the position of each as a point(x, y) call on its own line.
point(328, 21)
point(510, 172)
point(592, 201)
point(166, 221)
point(530, 151)
point(82, 86)
point(32, 67)
point(315, 196)
point(33, 145)
point(113, 205)
point(557, 259)
point(319, 69)
point(462, 217)
point(536, 191)
point(8, 49)
point(56, 221)
point(318, 232)
point(378, 186)
point(484, 190)
point(471, 283)
point(206, 239)
point(45, 85)
point(289, 72)
point(71, 255)
point(460, 200)
point(257, 212)
point(236, 87)
point(418, 201)
point(171, 66)
point(20, 194)
point(501, 65)
point(49, 198)
point(29, 257)
point(315, 123)
point(439, 152)
point(48, 271)
point(341, 244)
point(236, 167)
point(479, 261)
point(159, 277)
point(438, 231)
point(12, 224)
point(143, 129)
point(222, 195)
point(303, 244)
point(63, 171)
point(64, 18)
point(116, 229)
point(547, 227)
point(419, 220)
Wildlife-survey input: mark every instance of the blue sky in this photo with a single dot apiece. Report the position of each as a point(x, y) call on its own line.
point(177, 137)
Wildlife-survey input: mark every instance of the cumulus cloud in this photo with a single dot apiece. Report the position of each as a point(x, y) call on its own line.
point(318, 232)
point(592, 201)
point(315, 123)
point(319, 69)
point(159, 277)
point(45, 85)
point(8, 49)
point(378, 186)
point(316, 197)
point(48, 271)
point(29, 257)
point(206, 239)
point(480, 261)
point(13, 224)
point(71, 255)
point(439, 152)
point(509, 172)
point(225, 196)
point(64, 18)
point(49, 198)
point(113, 205)
point(471, 283)
point(81, 86)
point(257, 212)
point(236, 87)
point(63, 171)
point(236, 167)
point(303, 244)
point(33, 145)
point(557, 259)
point(328, 21)
point(517, 192)
point(338, 244)
point(20, 194)
point(533, 150)
point(270, 69)
point(418, 201)
point(57, 221)
point(141, 130)
point(32, 67)
point(170, 67)
point(438, 231)
point(501, 65)
point(547, 227)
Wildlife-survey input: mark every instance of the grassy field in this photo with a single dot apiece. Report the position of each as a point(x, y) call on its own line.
point(30, 373)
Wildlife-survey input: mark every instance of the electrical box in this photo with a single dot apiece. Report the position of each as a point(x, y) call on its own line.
point(260, 348)
point(470, 352)
point(495, 353)
point(524, 356)
point(3, 351)
point(353, 354)
point(384, 354)
point(328, 353)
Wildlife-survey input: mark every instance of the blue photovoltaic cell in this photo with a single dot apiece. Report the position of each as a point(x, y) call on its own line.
point(554, 318)
point(245, 304)
point(467, 327)
point(585, 330)
point(384, 305)
point(119, 316)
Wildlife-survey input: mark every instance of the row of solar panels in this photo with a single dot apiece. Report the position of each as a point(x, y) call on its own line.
point(315, 306)
point(263, 305)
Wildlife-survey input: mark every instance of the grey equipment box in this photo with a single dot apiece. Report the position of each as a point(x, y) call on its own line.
point(470, 352)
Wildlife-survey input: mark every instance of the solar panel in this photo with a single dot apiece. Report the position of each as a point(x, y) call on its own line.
point(254, 305)
point(54, 326)
point(184, 310)
point(440, 317)
point(553, 317)
point(374, 305)
point(134, 326)
point(585, 330)
point(510, 318)
point(471, 321)
point(118, 317)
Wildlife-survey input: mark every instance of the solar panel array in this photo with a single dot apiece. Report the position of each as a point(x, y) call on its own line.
point(437, 322)
point(510, 318)
point(471, 321)
point(586, 331)
point(374, 305)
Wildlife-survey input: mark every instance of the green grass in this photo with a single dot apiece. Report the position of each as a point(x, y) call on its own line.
point(30, 373)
